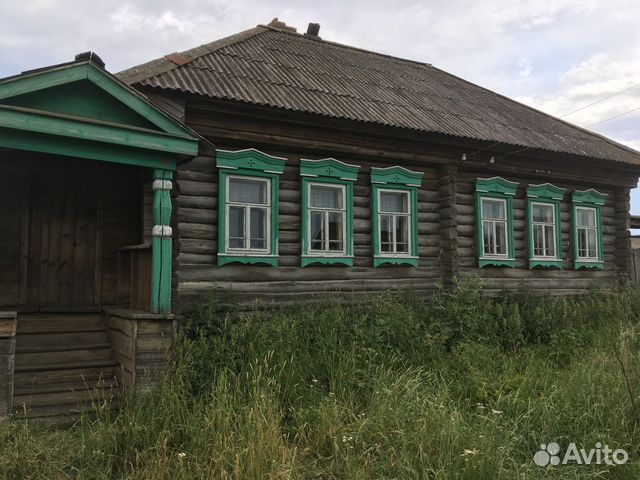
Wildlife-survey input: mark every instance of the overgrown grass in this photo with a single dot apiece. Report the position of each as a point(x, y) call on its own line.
point(456, 386)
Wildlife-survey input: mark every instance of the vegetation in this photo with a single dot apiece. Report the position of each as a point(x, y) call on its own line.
point(456, 386)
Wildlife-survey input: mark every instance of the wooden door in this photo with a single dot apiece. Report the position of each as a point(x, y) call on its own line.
point(62, 243)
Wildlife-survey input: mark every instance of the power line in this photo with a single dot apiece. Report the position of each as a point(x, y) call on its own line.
point(611, 118)
point(601, 100)
point(575, 111)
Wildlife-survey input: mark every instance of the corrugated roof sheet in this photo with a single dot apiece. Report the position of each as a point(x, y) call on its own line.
point(276, 68)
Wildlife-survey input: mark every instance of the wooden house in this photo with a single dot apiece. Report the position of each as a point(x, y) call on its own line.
point(272, 166)
point(372, 172)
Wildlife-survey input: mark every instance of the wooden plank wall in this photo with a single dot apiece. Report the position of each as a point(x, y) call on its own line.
point(7, 360)
point(13, 187)
point(566, 281)
point(142, 344)
point(195, 222)
point(119, 217)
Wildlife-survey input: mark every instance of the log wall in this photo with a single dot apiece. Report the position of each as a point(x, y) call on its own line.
point(565, 281)
point(196, 242)
point(446, 210)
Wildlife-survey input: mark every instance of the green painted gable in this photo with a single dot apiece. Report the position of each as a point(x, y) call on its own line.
point(81, 99)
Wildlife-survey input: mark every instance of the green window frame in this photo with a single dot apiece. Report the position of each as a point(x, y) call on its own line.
point(548, 195)
point(395, 180)
point(248, 164)
point(588, 201)
point(332, 173)
point(501, 191)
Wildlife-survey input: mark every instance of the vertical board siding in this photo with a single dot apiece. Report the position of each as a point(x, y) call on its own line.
point(12, 185)
point(196, 219)
point(565, 281)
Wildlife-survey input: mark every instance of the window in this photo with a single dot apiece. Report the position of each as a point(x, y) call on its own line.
point(248, 207)
point(326, 218)
point(494, 227)
point(394, 219)
point(395, 215)
point(587, 229)
point(587, 233)
point(543, 225)
point(494, 222)
point(327, 211)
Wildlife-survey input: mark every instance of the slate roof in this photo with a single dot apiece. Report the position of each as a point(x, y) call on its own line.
point(278, 68)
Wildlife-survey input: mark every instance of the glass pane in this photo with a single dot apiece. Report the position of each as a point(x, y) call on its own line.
point(586, 217)
point(325, 197)
point(591, 243)
point(538, 249)
point(317, 230)
point(550, 240)
point(258, 228)
point(245, 190)
point(493, 209)
point(501, 238)
point(336, 232)
point(402, 234)
point(542, 213)
point(236, 227)
point(386, 244)
point(396, 202)
point(489, 239)
point(582, 242)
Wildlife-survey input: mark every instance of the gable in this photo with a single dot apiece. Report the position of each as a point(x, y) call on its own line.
point(81, 110)
point(52, 90)
point(81, 99)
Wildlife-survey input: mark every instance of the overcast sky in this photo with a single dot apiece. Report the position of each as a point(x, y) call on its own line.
point(555, 55)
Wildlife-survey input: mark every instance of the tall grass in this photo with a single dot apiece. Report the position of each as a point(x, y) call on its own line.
point(455, 386)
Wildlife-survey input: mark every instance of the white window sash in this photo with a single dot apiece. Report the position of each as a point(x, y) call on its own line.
point(545, 225)
point(247, 206)
point(493, 222)
point(394, 215)
point(586, 229)
point(325, 252)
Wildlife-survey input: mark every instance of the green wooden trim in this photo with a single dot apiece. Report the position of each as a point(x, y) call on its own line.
point(329, 167)
point(306, 261)
point(495, 262)
point(380, 258)
point(378, 261)
point(271, 258)
point(396, 175)
point(307, 256)
point(16, 118)
point(544, 262)
point(56, 76)
point(161, 248)
point(545, 191)
point(247, 260)
point(589, 197)
point(496, 185)
point(509, 261)
point(250, 159)
point(68, 146)
point(589, 265)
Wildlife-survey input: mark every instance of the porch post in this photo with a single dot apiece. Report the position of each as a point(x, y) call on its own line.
point(162, 243)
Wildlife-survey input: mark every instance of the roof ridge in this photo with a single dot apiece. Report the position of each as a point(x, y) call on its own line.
point(164, 64)
point(344, 45)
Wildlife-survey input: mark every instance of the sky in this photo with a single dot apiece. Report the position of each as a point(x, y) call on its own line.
point(555, 55)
